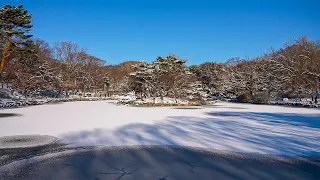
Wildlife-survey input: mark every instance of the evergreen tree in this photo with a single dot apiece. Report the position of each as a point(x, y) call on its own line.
point(141, 80)
point(15, 22)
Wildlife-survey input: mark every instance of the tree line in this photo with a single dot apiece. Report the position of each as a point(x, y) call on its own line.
point(292, 71)
point(30, 64)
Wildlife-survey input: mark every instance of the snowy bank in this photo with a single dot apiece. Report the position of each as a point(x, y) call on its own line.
point(157, 101)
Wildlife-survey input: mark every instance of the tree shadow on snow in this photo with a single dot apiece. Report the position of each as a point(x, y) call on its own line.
point(5, 115)
point(268, 133)
point(308, 120)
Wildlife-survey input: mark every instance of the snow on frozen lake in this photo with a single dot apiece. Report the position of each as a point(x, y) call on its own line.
point(223, 126)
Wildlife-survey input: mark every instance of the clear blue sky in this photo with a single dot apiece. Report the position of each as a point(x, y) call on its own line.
point(199, 30)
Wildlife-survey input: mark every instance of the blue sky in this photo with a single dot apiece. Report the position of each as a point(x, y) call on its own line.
point(200, 30)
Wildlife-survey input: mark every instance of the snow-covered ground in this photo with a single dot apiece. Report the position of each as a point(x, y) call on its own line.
point(223, 126)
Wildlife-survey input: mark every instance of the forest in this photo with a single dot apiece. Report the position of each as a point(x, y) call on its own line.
point(29, 65)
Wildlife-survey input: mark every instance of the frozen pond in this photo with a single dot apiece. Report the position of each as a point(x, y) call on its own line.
point(223, 126)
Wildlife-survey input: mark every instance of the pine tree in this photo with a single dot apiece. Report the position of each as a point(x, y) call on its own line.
point(141, 80)
point(15, 22)
point(164, 77)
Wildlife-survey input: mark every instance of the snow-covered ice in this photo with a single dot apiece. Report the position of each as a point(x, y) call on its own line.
point(223, 126)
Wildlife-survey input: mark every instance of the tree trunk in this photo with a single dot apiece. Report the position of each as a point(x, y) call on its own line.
point(5, 51)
